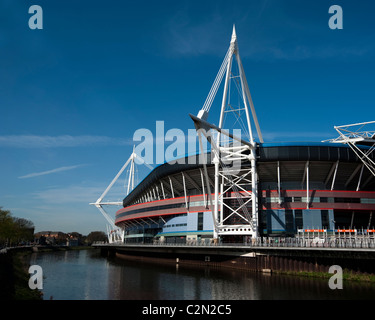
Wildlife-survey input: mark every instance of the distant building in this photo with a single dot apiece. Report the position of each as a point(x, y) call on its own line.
point(50, 237)
point(72, 242)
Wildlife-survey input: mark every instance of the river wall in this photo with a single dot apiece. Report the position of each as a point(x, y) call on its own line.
point(271, 261)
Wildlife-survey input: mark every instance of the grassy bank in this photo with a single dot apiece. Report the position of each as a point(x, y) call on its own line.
point(346, 275)
point(14, 277)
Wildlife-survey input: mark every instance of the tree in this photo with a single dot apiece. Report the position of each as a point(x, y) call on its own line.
point(24, 229)
point(14, 230)
point(96, 236)
point(6, 226)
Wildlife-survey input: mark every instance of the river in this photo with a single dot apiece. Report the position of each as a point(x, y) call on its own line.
point(86, 275)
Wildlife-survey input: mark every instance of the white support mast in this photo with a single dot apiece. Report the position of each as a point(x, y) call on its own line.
point(116, 234)
point(234, 157)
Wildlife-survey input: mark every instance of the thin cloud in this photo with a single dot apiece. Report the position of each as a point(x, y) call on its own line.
point(34, 141)
point(43, 173)
point(80, 194)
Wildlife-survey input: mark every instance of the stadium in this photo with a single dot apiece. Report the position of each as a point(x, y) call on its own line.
point(170, 204)
point(244, 189)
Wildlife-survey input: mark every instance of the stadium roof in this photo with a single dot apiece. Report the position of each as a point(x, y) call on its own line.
point(323, 154)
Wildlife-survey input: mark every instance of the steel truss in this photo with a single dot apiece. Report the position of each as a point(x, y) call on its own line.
point(114, 233)
point(356, 136)
point(234, 157)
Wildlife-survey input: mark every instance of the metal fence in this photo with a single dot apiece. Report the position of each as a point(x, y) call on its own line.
point(355, 242)
point(282, 242)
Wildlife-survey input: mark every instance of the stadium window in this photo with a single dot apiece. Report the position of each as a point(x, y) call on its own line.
point(347, 200)
point(288, 220)
point(200, 221)
point(325, 219)
point(367, 200)
point(298, 219)
point(297, 199)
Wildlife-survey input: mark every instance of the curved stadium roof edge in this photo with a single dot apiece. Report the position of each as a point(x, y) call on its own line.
point(278, 151)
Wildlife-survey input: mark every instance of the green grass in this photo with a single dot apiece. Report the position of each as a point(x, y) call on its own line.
point(347, 275)
point(16, 276)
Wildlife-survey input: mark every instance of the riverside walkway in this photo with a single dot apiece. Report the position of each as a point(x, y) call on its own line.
point(348, 247)
point(358, 242)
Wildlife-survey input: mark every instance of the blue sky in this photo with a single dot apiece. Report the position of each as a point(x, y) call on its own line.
point(73, 94)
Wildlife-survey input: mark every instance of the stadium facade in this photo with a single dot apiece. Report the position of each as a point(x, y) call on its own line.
point(244, 189)
point(302, 186)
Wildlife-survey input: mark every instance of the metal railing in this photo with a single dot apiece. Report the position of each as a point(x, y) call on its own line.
point(357, 242)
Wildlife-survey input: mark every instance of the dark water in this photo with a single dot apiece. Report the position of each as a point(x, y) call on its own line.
point(85, 275)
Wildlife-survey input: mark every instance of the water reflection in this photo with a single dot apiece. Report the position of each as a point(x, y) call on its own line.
point(85, 275)
point(72, 275)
